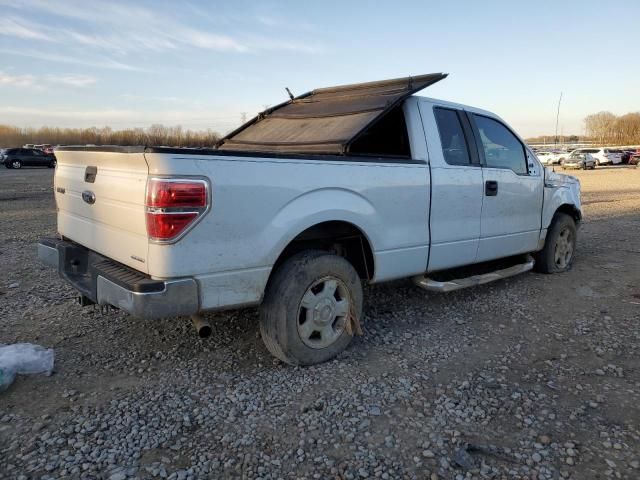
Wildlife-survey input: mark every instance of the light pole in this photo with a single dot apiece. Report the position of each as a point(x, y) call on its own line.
point(557, 117)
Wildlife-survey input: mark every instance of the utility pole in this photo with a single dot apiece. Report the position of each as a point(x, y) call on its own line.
point(243, 117)
point(557, 117)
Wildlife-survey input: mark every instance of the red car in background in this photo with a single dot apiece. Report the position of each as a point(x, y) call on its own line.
point(45, 147)
point(635, 158)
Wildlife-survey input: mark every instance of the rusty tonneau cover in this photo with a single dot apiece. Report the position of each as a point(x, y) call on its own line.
point(326, 120)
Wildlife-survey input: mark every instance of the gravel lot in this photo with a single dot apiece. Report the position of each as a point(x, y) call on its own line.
point(533, 377)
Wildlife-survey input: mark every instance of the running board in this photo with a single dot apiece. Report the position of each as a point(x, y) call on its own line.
point(459, 283)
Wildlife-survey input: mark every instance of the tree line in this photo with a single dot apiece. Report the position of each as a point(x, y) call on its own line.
point(605, 128)
point(11, 136)
point(602, 128)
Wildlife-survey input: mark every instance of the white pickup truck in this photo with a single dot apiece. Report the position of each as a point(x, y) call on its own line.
point(297, 208)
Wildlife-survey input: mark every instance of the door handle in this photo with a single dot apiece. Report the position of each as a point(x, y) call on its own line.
point(491, 188)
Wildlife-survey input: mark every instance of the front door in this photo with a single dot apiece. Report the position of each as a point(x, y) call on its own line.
point(513, 192)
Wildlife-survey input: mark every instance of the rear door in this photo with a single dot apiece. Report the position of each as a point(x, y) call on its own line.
point(512, 193)
point(38, 158)
point(100, 197)
point(456, 183)
point(614, 155)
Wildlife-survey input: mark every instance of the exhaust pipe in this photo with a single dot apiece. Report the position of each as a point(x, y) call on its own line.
point(201, 325)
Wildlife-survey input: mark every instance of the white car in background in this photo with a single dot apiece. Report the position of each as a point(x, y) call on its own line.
point(603, 156)
point(548, 158)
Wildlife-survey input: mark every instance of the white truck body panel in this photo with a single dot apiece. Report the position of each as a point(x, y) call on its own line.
point(243, 235)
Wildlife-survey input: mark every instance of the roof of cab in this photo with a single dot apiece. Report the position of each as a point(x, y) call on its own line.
point(325, 120)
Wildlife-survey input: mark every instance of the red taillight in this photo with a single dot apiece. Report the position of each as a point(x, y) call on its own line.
point(173, 205)
point(176, 193)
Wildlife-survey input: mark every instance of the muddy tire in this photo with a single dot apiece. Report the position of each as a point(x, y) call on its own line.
point(308, 304)
point(559, 247)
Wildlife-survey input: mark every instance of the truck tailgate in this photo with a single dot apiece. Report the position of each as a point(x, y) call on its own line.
point(100, 197)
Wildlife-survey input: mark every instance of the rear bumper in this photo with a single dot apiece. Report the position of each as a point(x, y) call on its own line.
point(106, 282)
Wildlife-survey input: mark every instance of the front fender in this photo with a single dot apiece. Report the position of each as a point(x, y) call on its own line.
point(559, 190)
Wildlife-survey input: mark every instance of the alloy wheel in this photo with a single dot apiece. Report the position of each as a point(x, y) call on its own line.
point(323, 312)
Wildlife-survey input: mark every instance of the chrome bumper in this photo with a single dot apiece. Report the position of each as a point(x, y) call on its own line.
point(170, 297)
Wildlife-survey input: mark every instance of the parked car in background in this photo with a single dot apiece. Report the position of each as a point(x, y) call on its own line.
point(45, 147)
point(635, 158)
point(549, 158)
point(27, 157)
point(603, 156)
point(583, 161)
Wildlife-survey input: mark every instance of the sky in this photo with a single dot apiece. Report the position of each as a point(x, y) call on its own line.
point(208, 64)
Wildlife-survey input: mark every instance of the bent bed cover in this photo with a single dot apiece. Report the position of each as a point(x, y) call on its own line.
point(325, 120)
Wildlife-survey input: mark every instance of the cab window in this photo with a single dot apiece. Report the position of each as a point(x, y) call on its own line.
point(502, 149)
point(454, 143)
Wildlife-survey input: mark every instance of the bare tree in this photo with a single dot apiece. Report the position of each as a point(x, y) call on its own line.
point(157, 134)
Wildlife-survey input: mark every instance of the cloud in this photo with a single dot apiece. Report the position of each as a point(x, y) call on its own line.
point(210, 41)
point(20, 28)
point(22, 81)
point(80, 81)
point(97, 62)
point(125, 29)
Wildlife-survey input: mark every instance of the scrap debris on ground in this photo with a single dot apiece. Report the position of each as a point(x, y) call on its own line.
point(534, 377)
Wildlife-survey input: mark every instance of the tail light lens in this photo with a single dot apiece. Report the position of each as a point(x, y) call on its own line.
point(173, 206)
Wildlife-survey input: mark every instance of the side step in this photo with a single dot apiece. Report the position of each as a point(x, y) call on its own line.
point(460, 283)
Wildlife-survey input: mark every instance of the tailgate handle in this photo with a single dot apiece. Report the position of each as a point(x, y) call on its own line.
point(90, 174)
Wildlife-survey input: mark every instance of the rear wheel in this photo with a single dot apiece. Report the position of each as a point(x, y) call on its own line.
point(52, 164)
point(559, 247)
point(16, 164)
point(311, 307)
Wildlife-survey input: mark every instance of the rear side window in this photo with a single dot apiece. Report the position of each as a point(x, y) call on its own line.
point(454, 144)
point(502, 149)
point(589, 150)
point(387, 137)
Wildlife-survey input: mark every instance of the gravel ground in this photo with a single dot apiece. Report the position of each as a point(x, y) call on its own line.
point(533, 377)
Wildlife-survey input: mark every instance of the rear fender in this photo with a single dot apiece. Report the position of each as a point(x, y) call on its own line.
point(318, 206)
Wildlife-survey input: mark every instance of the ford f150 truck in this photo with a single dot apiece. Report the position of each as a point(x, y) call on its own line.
point(298, 207)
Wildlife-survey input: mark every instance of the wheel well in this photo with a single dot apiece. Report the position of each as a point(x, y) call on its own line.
point(570, 210)
point(341, 238)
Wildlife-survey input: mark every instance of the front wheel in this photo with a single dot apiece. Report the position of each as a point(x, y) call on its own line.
point(559, 247)
point(311, 308)
point(16, 164)
point(52, 164)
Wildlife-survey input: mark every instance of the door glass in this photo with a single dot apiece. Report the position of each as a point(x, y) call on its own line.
point(502, 149)
point(454, 144)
